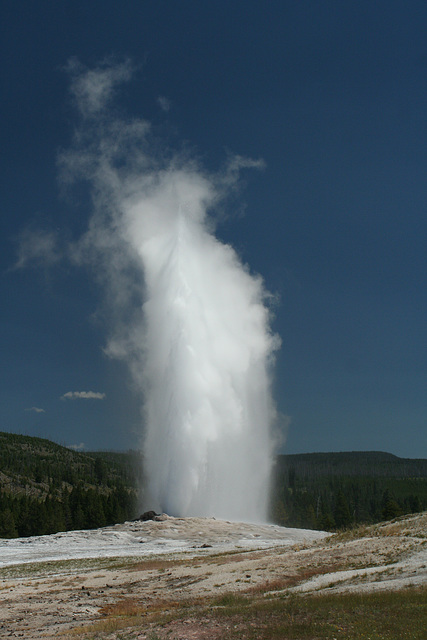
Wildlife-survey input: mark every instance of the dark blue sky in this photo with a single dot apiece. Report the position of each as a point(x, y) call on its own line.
point(333, 97)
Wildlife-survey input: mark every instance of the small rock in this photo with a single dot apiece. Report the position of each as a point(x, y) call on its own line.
point(148, 515)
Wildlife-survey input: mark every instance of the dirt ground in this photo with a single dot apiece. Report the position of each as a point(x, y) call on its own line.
point(54, 599)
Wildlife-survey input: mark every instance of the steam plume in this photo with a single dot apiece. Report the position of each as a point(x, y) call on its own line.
point(189, 318)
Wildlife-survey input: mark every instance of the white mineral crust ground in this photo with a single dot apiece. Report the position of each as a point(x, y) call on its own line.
point(165, 535)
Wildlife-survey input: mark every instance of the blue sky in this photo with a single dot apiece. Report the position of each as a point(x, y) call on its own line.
point(333, 97)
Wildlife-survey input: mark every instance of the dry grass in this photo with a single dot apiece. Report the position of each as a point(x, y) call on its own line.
point(374, 616)
point(158, 564)
point(129, 613)
point(414, 526)
point(273, 587)
point(125, 607)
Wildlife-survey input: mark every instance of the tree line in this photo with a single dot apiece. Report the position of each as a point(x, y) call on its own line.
point(329, 501)
point(78, 508)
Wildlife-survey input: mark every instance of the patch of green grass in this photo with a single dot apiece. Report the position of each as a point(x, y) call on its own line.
point(373, 616)
point(230, 600)
point(355, 616)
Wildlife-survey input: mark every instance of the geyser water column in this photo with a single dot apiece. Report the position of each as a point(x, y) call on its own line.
point(187, 315)
point(207, 353)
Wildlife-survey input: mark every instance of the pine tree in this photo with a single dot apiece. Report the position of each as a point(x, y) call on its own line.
point(7, 524)
point(342, 513)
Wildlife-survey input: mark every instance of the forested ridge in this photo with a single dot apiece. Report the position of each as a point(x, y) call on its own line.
point(334, 490)
point(45, 488)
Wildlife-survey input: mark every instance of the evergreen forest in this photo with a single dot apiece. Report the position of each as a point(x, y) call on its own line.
point(331, 491)
point(46, 488)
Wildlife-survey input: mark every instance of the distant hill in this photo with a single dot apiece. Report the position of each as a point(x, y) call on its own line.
point(46, 487)
point(353, 463)
point(32, 466)
point(335, 490)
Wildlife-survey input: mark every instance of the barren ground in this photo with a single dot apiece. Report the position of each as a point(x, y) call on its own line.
point(53, 586)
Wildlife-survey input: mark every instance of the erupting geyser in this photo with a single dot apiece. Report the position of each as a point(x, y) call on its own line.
point(208, 408)
point(195, 329)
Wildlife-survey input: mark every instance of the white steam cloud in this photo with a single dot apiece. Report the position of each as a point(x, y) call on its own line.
point(93, 89)
point(189, 318)
point(85, 395)
point(164, 103)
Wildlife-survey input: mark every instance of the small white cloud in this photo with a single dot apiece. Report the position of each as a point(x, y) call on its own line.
point(36, 410)
point(86, 395)
point(77, 447)
point(164, 103)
